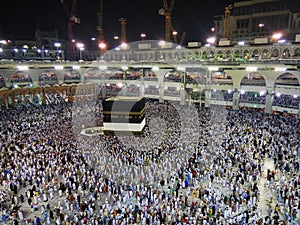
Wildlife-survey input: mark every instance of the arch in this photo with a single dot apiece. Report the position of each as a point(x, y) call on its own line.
point(221, 77)
point(253, 97)
point(196, 75)
point(286, 100)
point(56, 94)
point(237, 54)
point(287, 79)
point(190, 56)
point(228, 54)
point(296, 52)
point(182, 56)
point(211, 53)
point(275, 53)
point(151, 89)
point(21, 78)
point(48, 77)
point(114, 73)
point(139, 57)
point(133, 74)
point(286, 53)
point(27, 94)
point(246, 54)
point(72, 76)
point(204, 55)
point(162, 56)
point(93, 73)
point(176, 56)
point(265, 54)
point(197, 55)
point(171, 91)
point(113, 89)
point(253, 79)
point(220, 54)
point(255, 53)
point(174, 76)
point(142, 57)
point(151, 56)
point(149, 75)
point(225, 95)
point(133, 90)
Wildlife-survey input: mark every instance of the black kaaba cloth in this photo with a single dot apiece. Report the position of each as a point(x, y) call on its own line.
point(123, 113)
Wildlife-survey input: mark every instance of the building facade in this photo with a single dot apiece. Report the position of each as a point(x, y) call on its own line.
point(247, 20)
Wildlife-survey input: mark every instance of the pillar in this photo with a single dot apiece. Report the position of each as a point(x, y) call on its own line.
point(13, 100)
point(235, 99)
point(5, 101)
point(103, 90)
point(161, 93)
point(182, 96)
point(268, 103)
point(299, 110)
point(160, 75)
point(207, 98)
point(142, 89)
point(82, 77)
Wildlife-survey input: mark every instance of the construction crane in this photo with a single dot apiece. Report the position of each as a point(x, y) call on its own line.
point(123, 29)
point(182, 38)
point(100, 22)
point(101, 42)
point(175, 34)
point(166, 11)
point(72, 19)
point(227, 21)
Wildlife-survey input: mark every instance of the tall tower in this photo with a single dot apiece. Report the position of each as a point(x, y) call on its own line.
point(100, 22)
point(123, 30)
point(227, 21)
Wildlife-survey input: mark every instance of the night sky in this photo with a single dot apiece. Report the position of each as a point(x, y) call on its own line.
point(19, 19)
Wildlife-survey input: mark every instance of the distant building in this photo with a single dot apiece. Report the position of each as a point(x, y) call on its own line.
point(247, 20)
point(45, 46)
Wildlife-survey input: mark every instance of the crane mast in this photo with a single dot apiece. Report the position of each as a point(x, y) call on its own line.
point(182, 38)
point(72, 19)
point(123, 29)
point(227, 22)
point(100, 22)
point(166, 11)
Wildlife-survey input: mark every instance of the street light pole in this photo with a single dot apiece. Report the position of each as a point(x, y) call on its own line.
point(102, 47)
point(116, 38)
point(57, 45)
point(143, 35)
point(276, 36)
point(93, 39)
point(261, 25)
point(210, 41)
point(213, 32)
point(80, 46)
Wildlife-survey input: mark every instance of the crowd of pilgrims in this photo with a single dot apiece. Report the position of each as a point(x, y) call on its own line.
point(191, 165)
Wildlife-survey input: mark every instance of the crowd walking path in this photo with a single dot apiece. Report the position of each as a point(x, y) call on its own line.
point(265, 192)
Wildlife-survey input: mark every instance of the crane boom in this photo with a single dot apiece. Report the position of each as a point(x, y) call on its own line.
point(182, 38)
point(72, 19)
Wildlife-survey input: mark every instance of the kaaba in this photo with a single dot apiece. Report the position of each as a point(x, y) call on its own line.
point(123, 114)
